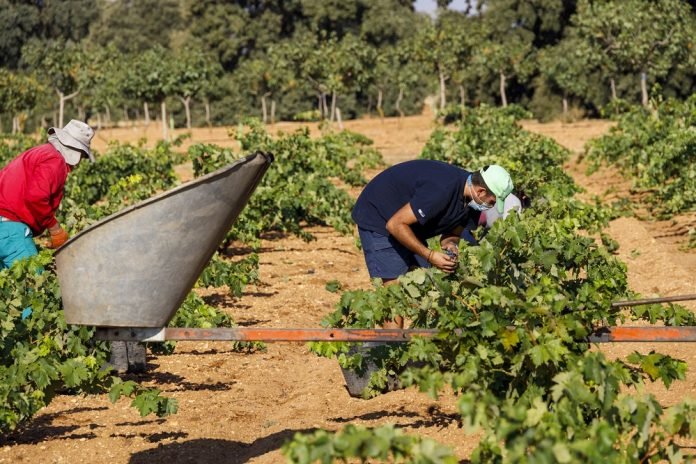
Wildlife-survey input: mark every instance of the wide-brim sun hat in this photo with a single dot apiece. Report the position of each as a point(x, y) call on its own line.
point(76, 135)
point(499, 182)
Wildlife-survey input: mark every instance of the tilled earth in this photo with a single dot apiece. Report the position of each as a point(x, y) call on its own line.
point(237, 408)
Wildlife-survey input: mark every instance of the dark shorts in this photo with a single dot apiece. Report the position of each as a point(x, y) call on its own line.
point(385, 257)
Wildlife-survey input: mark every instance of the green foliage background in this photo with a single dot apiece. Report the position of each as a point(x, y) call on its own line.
point(278, 59)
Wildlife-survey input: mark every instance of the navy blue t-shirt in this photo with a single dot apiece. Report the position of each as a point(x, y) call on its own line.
point(434, 189)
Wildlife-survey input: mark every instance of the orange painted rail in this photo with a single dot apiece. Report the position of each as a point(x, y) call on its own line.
point(602, 335)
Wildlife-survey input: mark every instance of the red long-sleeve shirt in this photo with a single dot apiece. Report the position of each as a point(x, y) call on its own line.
point(31, 187)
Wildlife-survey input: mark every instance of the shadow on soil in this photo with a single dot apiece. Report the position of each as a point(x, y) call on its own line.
point(152, 437)
point(203, 451)
point(434, 418)
point(41, 429)
point(180, 383)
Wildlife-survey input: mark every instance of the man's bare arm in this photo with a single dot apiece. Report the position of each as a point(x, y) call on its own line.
point(399, 226)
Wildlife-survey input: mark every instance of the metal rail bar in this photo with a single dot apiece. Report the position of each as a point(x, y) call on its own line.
point(645, 301)
point(602, 335)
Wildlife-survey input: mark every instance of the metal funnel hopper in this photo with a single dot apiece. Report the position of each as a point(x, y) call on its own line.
point(135, 267)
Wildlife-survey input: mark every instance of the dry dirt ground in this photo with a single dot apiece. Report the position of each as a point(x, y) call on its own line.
point(237, 408)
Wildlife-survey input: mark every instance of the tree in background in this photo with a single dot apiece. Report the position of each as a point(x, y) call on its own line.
point(638, 36)
point(17, 23)
point(234, 31)
point(151, 79)
point(22, 21)
point(18, 95)
point(469, 34)
point(266, 78)
point(136, 26)
point(280, 56)
point(103, 79)
point(541, 22)
point(406, 75)
point(354, 71)
point(566, 66)
point(383, 76)
point(505, 56)
point(192, 71)
point(60, 66)
point(334, 17)
point(437, 46)
point(387, 23)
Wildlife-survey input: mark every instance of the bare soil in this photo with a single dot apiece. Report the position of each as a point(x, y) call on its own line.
point(237, 408)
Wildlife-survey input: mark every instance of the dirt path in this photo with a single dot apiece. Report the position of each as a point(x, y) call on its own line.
point(397, 139)
point(238, 408)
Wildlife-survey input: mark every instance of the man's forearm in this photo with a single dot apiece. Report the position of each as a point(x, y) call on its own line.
point(404, 234)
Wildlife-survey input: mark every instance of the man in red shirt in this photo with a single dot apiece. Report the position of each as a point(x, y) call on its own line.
point(31, 189)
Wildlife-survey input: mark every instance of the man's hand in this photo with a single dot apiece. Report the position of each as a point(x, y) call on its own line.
point(452, 248)
point(58, 236)
point(450, 242)
point(443, 262)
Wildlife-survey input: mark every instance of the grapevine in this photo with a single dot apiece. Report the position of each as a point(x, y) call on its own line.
point(656, 150)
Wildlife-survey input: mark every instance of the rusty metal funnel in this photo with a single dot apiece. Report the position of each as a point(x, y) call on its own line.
point(135, 268)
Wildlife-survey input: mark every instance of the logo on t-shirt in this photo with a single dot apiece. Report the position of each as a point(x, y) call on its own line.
point(420, 211)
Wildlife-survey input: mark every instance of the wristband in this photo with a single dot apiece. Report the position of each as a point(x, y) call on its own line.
point(430, 255)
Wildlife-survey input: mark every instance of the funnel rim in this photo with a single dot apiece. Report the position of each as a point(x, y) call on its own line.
point(267, 157)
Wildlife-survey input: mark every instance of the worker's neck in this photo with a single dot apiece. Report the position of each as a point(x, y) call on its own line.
point(468, 196)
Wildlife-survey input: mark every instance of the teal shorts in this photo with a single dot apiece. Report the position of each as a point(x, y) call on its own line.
point(16, 242)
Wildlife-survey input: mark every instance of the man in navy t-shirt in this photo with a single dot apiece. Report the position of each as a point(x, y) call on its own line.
point(411, 202)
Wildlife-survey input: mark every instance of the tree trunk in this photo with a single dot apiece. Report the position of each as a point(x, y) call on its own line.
point(264, 111)
point(273, 110)
point(379, 103)
point(146, 109)
point(99, 121)
point(565, 105)
point(462, 95)
point(81, 113)
point(107, 110)
point(503, 95)
point(644, 88)
point(612, 82)
point(165, 135)
point(125, 113)
point(61, 106)
point(320, 99)
point(187, 109)
point(333, 106)
point(15, 124)
point(338, 118)
point(443, 89)
point(207, 112)
point(398, 102)
point(369, 104)
point(326, 107)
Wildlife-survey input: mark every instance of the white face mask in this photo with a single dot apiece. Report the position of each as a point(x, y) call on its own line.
point(473, 204)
